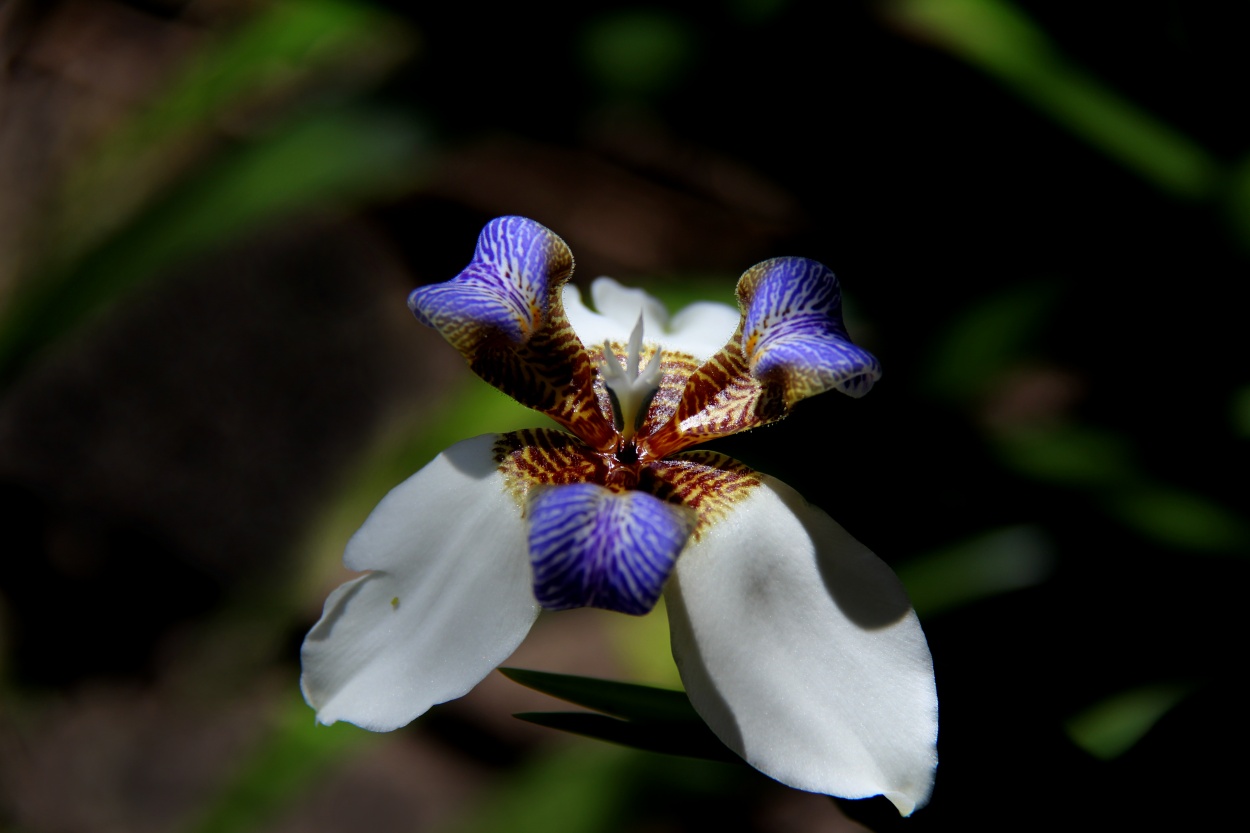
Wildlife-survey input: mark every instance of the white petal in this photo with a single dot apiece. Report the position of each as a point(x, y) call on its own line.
point(700, 329)
point(703, 328)
point(449, 597)
point(799, 648)
point(623, 304)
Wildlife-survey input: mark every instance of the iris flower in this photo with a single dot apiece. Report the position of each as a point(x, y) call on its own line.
point(795, 643)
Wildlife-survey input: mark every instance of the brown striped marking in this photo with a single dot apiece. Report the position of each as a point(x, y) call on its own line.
point(719, 399)
point(705, 481)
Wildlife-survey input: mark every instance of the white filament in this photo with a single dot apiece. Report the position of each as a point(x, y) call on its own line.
point(631, 390)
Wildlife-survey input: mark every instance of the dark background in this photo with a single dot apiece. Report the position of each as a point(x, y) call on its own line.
point(211, 213)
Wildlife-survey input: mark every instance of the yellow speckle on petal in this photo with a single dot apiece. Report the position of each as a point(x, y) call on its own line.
point(395, 603)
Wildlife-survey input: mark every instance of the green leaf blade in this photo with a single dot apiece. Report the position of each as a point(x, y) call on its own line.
point(627, 701)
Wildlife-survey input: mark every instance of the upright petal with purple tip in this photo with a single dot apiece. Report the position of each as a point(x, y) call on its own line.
point(791, 344)
point(505, 314)
point(792, 330)
point(503, 292)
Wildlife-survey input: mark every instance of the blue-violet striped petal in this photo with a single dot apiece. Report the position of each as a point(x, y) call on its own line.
point(505, 289)
point(592, 547)
point(793, 329)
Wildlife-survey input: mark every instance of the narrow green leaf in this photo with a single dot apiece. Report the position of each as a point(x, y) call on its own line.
point(624, 700)
point(282, 37)
point(334, 158)
point(688, 740)
point(286, 57)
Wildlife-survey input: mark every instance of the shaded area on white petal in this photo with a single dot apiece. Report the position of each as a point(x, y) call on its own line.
point(448, 600)
point(798, 647)
point(702, 328)
point(623, 304)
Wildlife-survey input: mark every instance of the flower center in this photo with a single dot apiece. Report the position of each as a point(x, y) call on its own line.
point(630, 389)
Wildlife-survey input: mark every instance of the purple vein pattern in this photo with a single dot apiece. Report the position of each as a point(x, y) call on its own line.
point(505, 287)
point(592, 547)
point(793, 329)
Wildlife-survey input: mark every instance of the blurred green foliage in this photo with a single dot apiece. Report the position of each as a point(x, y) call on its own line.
point(1109, 728)
point(1101, 464)
point(318, 154)
point(994, 36)
point(573, 790)
point(294, 753)
point(990, 564)
point(993, 336)
point(637, 52)
point(1240, 412)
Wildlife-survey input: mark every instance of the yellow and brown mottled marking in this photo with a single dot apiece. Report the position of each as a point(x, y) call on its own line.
point(705, 481)
point(551, 373)
point(544, 457)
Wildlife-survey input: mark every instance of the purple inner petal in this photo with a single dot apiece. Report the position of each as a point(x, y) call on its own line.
point(592, 547)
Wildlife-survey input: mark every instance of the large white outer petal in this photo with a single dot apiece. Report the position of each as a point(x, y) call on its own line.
point(799, 648)
point(449, 597)
point(699, 330)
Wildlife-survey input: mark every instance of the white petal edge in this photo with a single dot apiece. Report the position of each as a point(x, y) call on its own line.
point(449, 597)
point(699, 330)
point(799, 648)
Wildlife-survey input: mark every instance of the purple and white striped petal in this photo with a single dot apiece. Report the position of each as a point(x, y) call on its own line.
point(505, 290)
point(793, 330)
point(592, 547)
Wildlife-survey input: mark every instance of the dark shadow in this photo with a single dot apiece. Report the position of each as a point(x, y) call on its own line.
point(706, 697)
point(325, 626)
point(860, 584)
point(466, 457)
